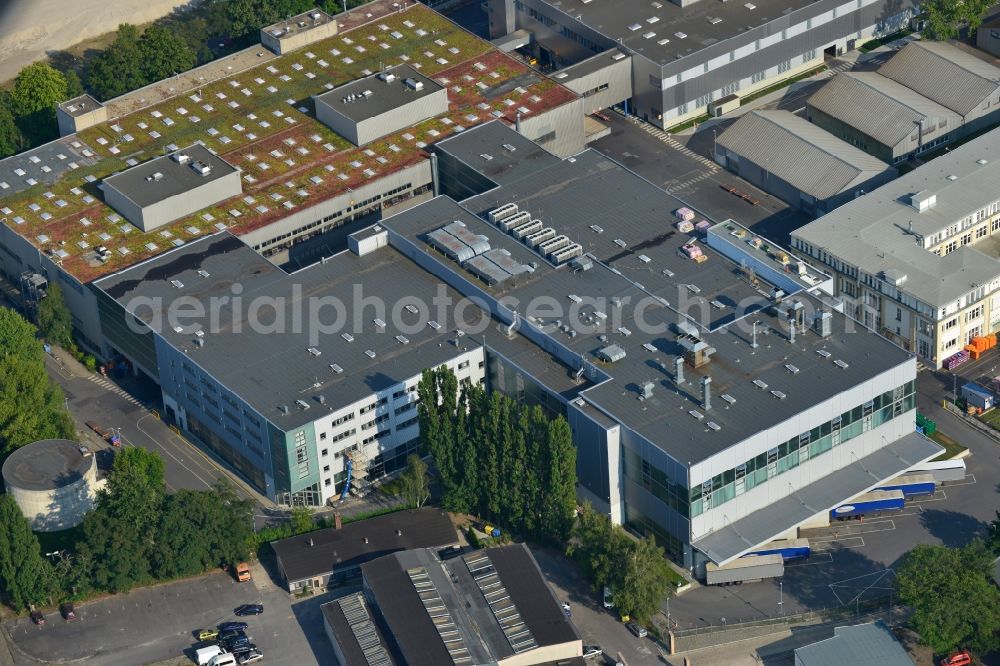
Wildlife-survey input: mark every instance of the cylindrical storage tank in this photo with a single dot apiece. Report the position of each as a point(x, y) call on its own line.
point(53, 481)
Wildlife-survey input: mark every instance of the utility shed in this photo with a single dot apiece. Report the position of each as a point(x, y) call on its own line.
point(946, 74)
point(375, 106)
point(798, 162)
point(167, 188)
point(870, 643)
point(881, 116)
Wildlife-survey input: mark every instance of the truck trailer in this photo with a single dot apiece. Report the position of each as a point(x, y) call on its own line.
point(912, 484)
point(789, 549)
point(745, 570)
point(941, 470)
point(876, 500)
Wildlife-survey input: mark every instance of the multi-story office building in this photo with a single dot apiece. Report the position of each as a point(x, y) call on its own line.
point(916, 259)
point(686, 54)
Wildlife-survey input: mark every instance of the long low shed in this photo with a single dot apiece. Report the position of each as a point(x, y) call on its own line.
point(745, 570)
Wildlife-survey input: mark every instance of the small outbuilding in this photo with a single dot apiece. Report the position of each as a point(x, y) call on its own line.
point(54, 481)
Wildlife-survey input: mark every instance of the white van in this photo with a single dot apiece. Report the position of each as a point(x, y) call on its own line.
point(224, 659)
point(205, 655)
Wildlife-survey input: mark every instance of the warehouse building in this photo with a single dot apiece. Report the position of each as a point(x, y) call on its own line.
point(988, 35)
point(167, 188)
point(798, 162)
point(298, 31)
point(916, 259)
point(486, 607)
point(872, 643)
point(687, 54)
point(882, 117)
point(378, 105)
point(950, 76)
point(823, 409)
point(327, 558)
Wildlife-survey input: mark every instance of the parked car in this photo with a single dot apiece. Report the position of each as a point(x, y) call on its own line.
point(251, 656)
point(960, 658)
point(232, 625)
point(637, 629)
point(37, 617)
point(592, 651)
point(567, 611)
point(249, 609)
point(67, 611)
point(238, 644)
point(227, 634)
point(208, 634)
point(609, 601)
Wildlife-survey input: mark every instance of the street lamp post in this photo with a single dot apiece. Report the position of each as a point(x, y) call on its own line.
point(781, 598)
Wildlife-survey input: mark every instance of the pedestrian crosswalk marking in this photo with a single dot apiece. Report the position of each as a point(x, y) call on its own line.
point(676, 145)
point(104, 383)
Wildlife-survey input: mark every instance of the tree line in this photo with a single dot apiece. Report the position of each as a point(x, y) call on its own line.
point(136, 534)
point(32, 406)
point(190, 36)
point(505, 462)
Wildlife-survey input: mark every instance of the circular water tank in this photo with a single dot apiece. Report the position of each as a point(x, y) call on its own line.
point(53, 481)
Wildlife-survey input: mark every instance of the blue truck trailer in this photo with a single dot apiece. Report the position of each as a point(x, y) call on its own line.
point(877, 500)
point(789, 549)
point(912, 484)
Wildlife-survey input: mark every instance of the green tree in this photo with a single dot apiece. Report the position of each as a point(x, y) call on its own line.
point(25, 576)
point(117, 69)
point(644, 577)
point(953, 600)
point(11, 140)
point(302, 520)
point(558, 481)
point(593, 546)
point(31, 406)
point(415, 483)
point(163, 54)
point(17, 337)
point(37, 89)
point(54, 320)
point(943, 18)
point(74, 86)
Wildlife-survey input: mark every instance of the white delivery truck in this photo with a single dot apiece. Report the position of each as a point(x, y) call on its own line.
point(224, 659)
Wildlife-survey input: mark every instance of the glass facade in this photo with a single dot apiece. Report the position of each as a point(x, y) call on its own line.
point(810, 444)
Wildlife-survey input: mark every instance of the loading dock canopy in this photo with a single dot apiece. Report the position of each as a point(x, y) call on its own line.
point(732, 541)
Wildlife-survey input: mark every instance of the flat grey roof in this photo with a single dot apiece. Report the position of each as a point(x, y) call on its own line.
point(645, 266)
point(47, 163)
point(801, 153)
point(871, 643)
point(762, 526)
point(141, 184)
point(299, 23)
point(590, 65)
point(873, 234)
point(334, 550)
point(878, 106)
point(268, 370)
point(46, 465)
point(497, 151)
point(616, 18)
point(385, 95)
point(80, 105)
point(944, 73)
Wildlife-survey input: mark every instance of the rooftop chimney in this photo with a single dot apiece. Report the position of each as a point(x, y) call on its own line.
point(679, 370)
point(399, 532)
point(311, 544)
point(706, 393)
point(366, 539)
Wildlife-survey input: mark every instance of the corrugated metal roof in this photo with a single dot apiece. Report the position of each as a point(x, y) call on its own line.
point(800, 153)
point(944, 73)
point(877, 106)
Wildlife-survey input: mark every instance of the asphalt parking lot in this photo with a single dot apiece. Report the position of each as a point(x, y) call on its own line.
point(160, 623)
